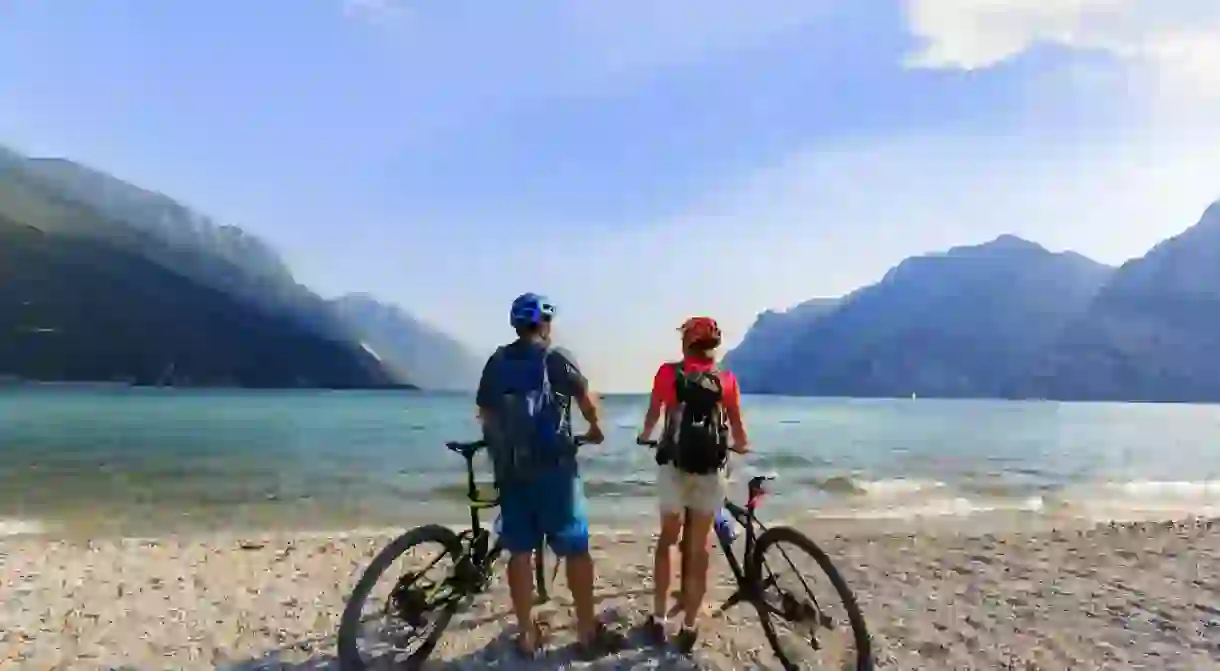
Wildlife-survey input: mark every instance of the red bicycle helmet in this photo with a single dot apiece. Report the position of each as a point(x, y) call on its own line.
point(700, 330)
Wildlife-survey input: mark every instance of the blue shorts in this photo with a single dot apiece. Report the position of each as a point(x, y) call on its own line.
point(552, 508)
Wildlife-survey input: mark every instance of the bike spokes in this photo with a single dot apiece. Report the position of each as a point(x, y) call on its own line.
point(417, 605)
point(810, 620)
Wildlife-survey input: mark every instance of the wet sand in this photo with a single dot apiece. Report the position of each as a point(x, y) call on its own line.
point(1130, 596)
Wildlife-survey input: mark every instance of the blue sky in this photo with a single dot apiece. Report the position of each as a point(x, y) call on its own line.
point(447, 155)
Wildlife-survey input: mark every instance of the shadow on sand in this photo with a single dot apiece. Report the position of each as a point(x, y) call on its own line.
point(499, 653)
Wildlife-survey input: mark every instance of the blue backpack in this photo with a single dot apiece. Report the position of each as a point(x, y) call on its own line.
point(530, 430)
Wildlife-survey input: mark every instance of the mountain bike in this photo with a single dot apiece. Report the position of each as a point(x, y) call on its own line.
point(785, 614)
point(423, 605)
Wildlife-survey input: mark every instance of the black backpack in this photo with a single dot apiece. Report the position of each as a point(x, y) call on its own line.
point(696, 434)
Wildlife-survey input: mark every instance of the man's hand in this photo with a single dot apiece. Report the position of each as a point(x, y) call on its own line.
point(594, 435)
point(643, 437)
point(741, 448)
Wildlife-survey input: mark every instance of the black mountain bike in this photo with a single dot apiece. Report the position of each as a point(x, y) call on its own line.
point(790, 613)
point(422, 607)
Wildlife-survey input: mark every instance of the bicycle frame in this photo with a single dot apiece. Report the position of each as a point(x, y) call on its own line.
point(746, 517)
point(480, 555)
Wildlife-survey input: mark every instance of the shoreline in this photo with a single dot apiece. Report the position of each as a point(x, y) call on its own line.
point(1116, 595)
point(626, 515)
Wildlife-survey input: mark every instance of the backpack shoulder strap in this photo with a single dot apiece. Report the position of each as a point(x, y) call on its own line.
point(546, 369)
point(679, 373)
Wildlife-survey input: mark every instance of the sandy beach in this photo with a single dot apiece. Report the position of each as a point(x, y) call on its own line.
point(1128, 596)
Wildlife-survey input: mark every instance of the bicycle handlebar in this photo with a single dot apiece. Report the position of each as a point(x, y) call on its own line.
point(756, 482)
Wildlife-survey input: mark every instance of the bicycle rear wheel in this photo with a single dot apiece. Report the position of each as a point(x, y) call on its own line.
point(804, 633)
point(421, 602)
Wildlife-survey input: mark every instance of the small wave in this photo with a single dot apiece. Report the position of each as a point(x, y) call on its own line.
point(631, 486)
point(17, 527)
point(899, 487)
point(1141, 500)
point(940, 507)
point(594, 487)
point(787, 461)
point(1207, 490)
point(895, 488)
point(998, 488)
point(839, 484)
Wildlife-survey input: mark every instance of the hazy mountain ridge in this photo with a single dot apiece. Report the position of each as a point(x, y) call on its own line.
point(162, 216)
point(75, 309)
point(959, 323)
point(1010, 319)
point(775, 331)
point(156, 227)
point(409, 347)
point(79, 208)
point(1153, 331)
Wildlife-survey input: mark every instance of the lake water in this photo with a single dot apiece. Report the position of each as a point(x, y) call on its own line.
point(142, 462)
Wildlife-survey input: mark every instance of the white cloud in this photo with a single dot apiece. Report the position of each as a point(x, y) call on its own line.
point(1179, 38)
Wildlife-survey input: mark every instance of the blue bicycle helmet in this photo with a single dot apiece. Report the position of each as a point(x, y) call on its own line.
point(530, 309)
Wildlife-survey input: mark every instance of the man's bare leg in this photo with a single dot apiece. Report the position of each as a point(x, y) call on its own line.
point(579, 570)
point(521, 589)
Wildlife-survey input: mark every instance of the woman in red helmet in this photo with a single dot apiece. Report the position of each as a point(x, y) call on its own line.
point(702, 406)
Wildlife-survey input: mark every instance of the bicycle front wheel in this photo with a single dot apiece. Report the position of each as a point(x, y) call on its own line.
point(806, 633)
point(420, 602)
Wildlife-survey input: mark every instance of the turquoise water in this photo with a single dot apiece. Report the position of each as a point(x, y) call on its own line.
point(140, 462)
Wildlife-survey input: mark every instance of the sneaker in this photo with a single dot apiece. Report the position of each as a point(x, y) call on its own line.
point(687, 638)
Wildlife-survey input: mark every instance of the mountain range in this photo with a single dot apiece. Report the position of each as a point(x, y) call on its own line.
point(101, 280)
point(1007, 319)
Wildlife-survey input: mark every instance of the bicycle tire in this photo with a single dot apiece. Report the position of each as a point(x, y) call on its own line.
point(349, 623)
point(754, 565)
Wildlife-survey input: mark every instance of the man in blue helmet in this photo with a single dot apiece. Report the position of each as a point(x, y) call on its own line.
point(525, 397)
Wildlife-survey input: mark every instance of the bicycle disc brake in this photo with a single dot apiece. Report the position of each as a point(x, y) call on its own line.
point(808, 611)
point(409, 599)
point(468, 575)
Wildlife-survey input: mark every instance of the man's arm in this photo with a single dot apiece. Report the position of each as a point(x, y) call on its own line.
point(483, 398)
point(565, 372)
point(737, 425)
point(655, 405)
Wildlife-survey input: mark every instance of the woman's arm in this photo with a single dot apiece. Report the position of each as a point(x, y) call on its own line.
point(656, 404)
point(737, 425)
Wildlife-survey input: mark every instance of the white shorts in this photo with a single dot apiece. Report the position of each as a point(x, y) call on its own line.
point(678, 490)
